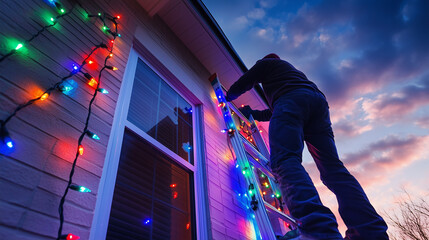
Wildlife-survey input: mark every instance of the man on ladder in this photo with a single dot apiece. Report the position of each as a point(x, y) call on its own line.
point(300, 113)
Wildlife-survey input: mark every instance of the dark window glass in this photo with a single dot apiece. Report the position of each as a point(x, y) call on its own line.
point(161, 112)
point(152, 198)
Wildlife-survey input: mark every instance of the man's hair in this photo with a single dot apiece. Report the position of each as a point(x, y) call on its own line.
point(272, 55)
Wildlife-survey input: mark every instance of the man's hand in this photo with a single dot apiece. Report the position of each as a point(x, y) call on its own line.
point(246, 111)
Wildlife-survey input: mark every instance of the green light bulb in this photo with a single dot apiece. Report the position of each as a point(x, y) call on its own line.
point(84, 189)
point(19, 46)
point(79, 188)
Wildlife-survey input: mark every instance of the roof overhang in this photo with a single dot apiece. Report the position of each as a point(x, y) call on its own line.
point(193, 24)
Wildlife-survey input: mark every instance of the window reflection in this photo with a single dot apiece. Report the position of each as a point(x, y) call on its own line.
point(161, 112)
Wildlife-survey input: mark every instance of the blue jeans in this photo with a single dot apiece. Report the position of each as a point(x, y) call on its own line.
point(303, 115)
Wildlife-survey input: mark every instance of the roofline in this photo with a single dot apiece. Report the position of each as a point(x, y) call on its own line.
point(214, 26)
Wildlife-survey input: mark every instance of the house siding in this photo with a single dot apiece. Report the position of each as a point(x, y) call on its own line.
point(33, 177)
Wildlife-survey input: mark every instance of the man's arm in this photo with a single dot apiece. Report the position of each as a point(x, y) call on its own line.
point(264, 115)
point(247, 81)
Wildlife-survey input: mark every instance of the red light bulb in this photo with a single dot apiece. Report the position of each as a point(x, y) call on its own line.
point(80, 149)
point(70, 237)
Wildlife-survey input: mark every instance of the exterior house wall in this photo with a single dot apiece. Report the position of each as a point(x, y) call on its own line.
point(33, 177)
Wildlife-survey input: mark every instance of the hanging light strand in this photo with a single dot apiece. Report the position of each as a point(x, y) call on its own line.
point(54, 21)
point(52, 88)
point(84, 132)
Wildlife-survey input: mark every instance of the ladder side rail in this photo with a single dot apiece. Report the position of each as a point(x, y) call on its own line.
point(260, 143)
point(263, 149)
point(260, 165)
point(261, 217)
point(263, 223)
point(282, 215)
point(274, 186)
point(254, 152)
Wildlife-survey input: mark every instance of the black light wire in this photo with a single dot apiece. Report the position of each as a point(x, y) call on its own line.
point(13, 51)
point(85, 129)
point(49, 90)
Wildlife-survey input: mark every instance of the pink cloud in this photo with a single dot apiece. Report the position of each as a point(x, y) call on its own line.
point(423, 122)
point(375, 163)
point(349, 128)
point(340, 110)
point(394, 107)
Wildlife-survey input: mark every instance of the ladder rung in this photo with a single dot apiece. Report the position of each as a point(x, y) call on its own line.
point(282, 215)
point(235, 109)
point(252, 150)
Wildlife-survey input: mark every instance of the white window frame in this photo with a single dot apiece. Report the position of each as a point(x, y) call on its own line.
point(107, 183)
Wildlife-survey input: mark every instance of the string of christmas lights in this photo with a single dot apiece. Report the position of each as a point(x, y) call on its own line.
point(53, 20)
point(66, 86)
point(85, 132)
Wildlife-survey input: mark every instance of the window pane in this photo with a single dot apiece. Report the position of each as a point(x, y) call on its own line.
point(155, 204)
point(178, 227)
point(161, 112)
point(167, 127)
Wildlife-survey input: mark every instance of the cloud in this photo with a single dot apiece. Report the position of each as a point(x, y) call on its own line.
point(350, 129)
point(239, 23)
point(265, 33)
point(364, 48)
point(256, 14)
point(423, 122)
point(376, 162)
point(345, 109)
point(393, 107)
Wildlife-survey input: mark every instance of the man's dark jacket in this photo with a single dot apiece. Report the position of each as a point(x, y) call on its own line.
point(276, 76)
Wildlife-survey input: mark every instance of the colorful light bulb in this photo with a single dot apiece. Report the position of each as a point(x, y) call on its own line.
point(147, 221)
point(103, 91)
point(92, 82)
point(81, 150)
point(92, 135)
point(112, 68)
point(70, 237)
point(19, 46)
point(5, 140)
point(79, 188)
point(118, 17)
point(44, 96)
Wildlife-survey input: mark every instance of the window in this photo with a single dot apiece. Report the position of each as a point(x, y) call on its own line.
point(155, 164)
point(152, 195)
point(161, 112)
